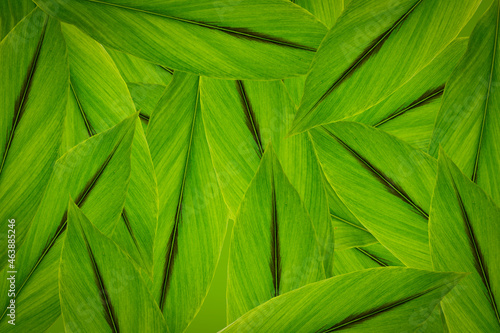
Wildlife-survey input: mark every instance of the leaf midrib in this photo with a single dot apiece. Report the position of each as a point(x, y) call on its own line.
point(18, 113)
point(62, 226)
point(360, 60)
point(170, 252)
point(480, 143)
point(210, 26)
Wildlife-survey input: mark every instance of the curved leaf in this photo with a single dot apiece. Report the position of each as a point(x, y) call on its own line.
point(193, 216)
point(391, 299)
point(468, 124)
point(241, 118)
point(34, 88)
point(273, 247)
point(387, 185)
point(204, 37)
point(410, 112)
point(96, 174)
point(464, 236)
point(99, 285)
point(366, 53)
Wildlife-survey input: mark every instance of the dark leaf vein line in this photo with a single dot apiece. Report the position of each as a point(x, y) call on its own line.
point(373, 257)
point(172, 242)
point(361, 317)
point(426, 98)
point(109, 311)
point(62, 225)
point(371, 50)
point(251, 119)
point(237, 32)
point(393, 188)
point(479, 261)
point(275, 263)
point(483, 125)
point(21, 102)
point(90, 130)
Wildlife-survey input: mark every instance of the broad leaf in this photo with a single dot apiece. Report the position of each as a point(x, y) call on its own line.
point(193, 216)
point(99, 286)
point(387, 185)
point(468, 125)
point(100, 100)
point(464, 236)
point(366, 54)
point(410, 112)
point(33, 89)
point(241, 118)
point(96, 174)
point(238, 40)
point(12, 12)
point(273, 247)
point(374, 300)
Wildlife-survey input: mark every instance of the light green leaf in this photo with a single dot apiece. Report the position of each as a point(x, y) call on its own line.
point(33, 95)
point(193, 216)
point(468, 124)
point(327, 11)
point(386, 184)
point(410, 112)
point(100, 288)
point(241, 118)
point(237, 40)
point(96, 174)
point(359, 258)
point(348, 231)
point(100, 101)
point(391, 299)
point(366, 54)
point(12, 12)
point(273, 247)
point(464, 236)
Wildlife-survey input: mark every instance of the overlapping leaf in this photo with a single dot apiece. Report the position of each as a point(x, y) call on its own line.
point(99, 99)
point(468, 124)
point(238, 40)
point(12, 12)
point(96, 174)
point(464, 236)
point(387, 185)
point(193, 216)
point(376, 300)
point(33, 89)
point(366, 54)
point(273, 247)
point(99, 285)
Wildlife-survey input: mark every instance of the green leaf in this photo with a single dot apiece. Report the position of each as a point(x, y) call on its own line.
point(273, 247)
point(100, 100)
point(193, 216)
point(12, 12)
point(327, 11)
point(468, 124)
point(464, 236)
point(349, 232)
point(366, 54)
point(34, 89)
point(392, 299)
point(241, 118)
point(410, 112)
point(238, 40)
point(359, 258)
point(386, 184)
point(99, 286)
point(96, 174)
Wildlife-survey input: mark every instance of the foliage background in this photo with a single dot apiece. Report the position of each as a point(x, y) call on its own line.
point(212, 316)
